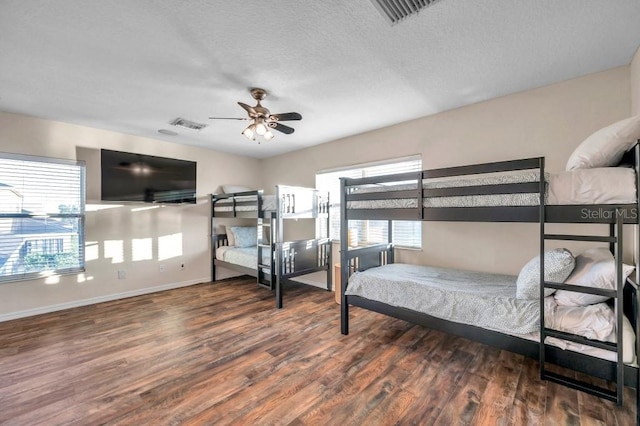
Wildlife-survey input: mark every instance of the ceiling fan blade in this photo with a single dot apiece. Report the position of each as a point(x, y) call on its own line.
point(287, 116)
point(281, 128)
point(227, 118)
point(248, 108)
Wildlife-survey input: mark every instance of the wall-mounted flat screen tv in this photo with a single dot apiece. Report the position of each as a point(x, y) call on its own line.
point(146, 178)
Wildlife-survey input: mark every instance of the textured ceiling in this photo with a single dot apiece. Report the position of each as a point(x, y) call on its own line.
point(134, 66)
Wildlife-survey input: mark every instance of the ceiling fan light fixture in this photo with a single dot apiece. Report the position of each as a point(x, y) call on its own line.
point(261, 119)
point(261, 128)
point(248, 132)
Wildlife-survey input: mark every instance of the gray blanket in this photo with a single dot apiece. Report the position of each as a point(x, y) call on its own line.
point(481, 299)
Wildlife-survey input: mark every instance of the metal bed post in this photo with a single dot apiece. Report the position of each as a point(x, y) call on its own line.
point(619, 304)
point(272, 248)
point(278, 245)
point(636, 217)
point(213, 240)
point(636, 255)
point(541, 219)
point(344, 266)
point(329, 247)
point(263, 219)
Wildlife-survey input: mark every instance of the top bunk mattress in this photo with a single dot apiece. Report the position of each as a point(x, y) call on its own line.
point(608, 185)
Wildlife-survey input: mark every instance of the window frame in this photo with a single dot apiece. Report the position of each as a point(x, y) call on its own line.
point(366, 225)
point(74, 236)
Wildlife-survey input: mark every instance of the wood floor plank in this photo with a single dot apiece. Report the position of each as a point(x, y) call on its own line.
point(624, 415)
point(391, 409)
point(434, 385)
point(497, 400)
point(221, 354)
point(530, 397)
point(562, 402)
point(462, 407)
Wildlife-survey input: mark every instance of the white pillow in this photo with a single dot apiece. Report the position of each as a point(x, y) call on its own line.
point(606, 147)
point(232, 189)
point(231, 240)
point(558, 264)
point(594, 268)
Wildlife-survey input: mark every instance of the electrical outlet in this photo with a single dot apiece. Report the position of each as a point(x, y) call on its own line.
point(122, 275)
point(162, 268)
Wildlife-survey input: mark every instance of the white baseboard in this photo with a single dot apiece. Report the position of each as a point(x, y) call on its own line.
point(99, 299)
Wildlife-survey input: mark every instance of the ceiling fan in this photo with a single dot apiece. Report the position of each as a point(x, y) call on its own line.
point(262, 119)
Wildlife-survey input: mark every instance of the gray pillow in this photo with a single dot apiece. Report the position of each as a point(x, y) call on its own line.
point(558, 264)
point(244, 236)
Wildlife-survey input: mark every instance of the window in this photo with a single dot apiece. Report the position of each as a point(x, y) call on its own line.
point(41, 216)
point(405, 233)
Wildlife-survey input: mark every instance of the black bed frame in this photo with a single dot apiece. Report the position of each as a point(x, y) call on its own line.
point(288, 259)
point(627, 295)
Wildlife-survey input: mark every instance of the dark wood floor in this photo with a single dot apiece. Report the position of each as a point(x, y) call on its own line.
point(221, 354)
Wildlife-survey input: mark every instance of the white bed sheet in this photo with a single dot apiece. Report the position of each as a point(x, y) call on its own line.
point(606, 185)
point(592, 321)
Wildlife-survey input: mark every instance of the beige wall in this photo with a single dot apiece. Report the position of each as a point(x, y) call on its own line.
point(635, 84)
point(549, 121)
point(169, 236)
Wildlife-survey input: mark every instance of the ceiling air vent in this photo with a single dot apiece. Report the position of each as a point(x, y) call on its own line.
point(191, 125)
point(396, 10)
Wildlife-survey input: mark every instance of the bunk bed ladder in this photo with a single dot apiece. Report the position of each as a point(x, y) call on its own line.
point(614, 239)
point(266, 246)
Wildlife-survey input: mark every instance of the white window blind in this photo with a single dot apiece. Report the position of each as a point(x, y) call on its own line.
point(41, 216)
point(405, 233)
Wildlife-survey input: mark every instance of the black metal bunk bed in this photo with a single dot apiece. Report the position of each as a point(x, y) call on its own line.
point(277, 261)
point(625, 296)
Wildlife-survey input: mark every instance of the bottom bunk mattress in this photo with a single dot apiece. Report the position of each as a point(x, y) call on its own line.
point(489, 301)
point(480, 299)
point(242, 256)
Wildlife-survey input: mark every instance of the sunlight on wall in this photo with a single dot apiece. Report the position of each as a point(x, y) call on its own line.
point(91, 251)
point(169, 246)
point(98, 207)
point(53, 279)
point(114, 250)
point(82, 278)
point(141, 249)
point(141, 209)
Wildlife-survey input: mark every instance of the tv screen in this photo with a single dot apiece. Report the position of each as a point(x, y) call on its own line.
point(146, 178)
